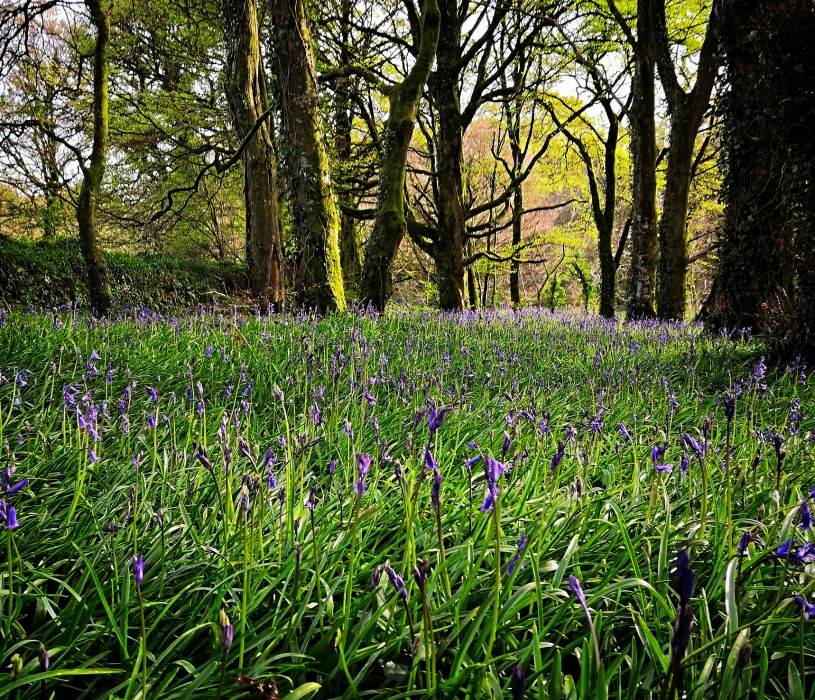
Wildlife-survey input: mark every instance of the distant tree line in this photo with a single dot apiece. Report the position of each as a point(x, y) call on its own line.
point(441, 129)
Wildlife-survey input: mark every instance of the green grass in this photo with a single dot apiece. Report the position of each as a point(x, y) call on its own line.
point(48, 275)
point(604, 515)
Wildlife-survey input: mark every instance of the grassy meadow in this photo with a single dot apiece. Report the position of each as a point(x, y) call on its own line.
point(501, 504)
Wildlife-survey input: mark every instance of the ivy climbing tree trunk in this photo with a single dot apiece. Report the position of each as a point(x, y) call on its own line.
point(766, 270)
point(93, 172)
point(390, 225)
point(315, 218)
point(687, 110)
point(245, 93)
point(642, 279)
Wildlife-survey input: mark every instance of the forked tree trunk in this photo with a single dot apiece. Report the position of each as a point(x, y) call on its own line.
point(318, 276)
point(390, 225)
point(94, 171)
point(642, 279)
point(245, 96)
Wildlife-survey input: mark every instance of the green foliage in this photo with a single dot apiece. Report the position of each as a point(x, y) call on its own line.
point(46, 275)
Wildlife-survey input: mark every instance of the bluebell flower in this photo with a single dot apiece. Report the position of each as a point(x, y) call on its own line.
point(557, 458)
point(225, 632)
point(470, 463)
point(806, 608)
point(684, 576)
point(436, 418)
point(522, 542)
point(138, 570)
point(806, 516)
point(397, 582)
point(623, 431)
point(517, 683)
point(435, 490)
point(745, 540)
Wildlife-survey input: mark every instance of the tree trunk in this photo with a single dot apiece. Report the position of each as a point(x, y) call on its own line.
point(318, 276)
point(94, 171)
point(642, 280)
point(687, 110)
point(517, 210)
point(673, 224)
point(390, 225)
point(245, 95)
point(350, 243)
point(448, 251)
point(769, 225)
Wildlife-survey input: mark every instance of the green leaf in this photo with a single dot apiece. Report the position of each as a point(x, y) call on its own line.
point(794, 680)
point(564, 563)
point(304, 691)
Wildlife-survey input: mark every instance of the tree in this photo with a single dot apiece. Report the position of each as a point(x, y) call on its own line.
point(766, 269)
point(642, 276)
point(245, 87)
point(687, 109)
point(390, 224)
point(313, 211)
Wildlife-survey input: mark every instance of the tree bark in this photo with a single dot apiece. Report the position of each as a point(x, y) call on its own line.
point(390, 225)
point(517, 208)
point(318, 276)
point(94, 171)
point(349, 240)
point(448, 250)
point(642, 279)
point(245, 93)
point(766, 272)
point(687, 111)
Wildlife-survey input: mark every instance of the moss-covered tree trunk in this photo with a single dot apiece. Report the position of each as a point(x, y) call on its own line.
point(687, 110)
point(390, 225)
point(349, 240)
point(245, 95)
point(94, 171)
point(448, 249)
point(318, 275)
point(642, 279)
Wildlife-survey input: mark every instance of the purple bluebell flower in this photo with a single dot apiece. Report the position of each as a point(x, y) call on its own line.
point(8, 515)
point(522, 541)
point(658, 452)
point(44, 658)
point(684, 576)
point(153, 394)
point(729, 407)
point(363, 465)
point(517, 683)
point(663, 468)
point(506, 446)
point(151, 421)
point(429, 461)
point(806, 516)
point(693, 445)
point(744, 542)
point(470, 463)
point(332, 467)
point(435, 489)
point(436, 418)
point(312, 498)
point(557, 458)
point(397, 582)
point(138, 570)
point(92, 457)
point(623, 431)
point(224, 632)
point(806, 608)
point(5, 482)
